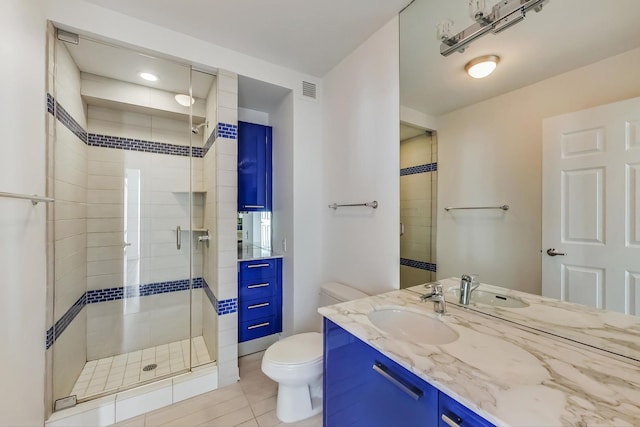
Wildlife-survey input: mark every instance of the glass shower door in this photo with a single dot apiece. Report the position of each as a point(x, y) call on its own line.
point(123, 233)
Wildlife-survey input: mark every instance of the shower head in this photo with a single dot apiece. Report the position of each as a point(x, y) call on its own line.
point(196, 129)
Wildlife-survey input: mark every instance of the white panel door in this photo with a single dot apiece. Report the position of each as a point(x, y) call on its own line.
point(591, 207)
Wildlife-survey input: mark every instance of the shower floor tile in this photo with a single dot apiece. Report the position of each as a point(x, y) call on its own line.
point(111, 373)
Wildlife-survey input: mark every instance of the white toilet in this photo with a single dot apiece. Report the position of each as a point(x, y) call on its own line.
point(295, 363)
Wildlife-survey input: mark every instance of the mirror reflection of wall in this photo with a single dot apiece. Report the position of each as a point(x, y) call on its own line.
point(254, 229)
point(418, 192)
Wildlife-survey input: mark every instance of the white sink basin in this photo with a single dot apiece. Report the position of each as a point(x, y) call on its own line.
point(490, 298)
point(412, 326)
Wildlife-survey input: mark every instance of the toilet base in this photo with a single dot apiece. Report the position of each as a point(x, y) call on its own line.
point(296, 403)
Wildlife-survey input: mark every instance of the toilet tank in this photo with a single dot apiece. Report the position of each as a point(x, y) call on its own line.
point(334, 293)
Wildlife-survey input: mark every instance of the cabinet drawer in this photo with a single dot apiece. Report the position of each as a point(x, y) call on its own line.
point(255, 289)
point(257, 308)
point(258, 269)
point(259, 328)
point(451, 412)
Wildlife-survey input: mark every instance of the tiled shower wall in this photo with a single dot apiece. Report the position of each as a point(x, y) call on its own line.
point(418, 184)
point(210, 316)
point(158, 202)
point(70, 210)
point(225, 154)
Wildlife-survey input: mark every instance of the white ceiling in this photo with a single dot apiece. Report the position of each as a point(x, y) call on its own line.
point(308, 36)
point(565, 35)
point(313, 36)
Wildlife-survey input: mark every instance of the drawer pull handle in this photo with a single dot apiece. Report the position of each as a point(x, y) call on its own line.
point(451, 420)
point(259, 325)
point(259, 285)
point(264, 304)
point(258, 265)
point(254, 206)
point(411, 390)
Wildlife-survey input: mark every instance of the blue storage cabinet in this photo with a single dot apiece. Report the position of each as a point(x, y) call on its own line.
point(362, 387)
point(259, 298)
point(254, 167)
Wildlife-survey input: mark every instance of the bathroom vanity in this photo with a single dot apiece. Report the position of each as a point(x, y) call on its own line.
point(491, 371)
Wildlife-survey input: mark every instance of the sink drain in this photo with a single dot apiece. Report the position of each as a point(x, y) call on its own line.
point(150, 367)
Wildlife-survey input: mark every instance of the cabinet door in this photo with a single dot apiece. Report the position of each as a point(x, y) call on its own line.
point(364, 388)
point(254, 167)
point(453, 413)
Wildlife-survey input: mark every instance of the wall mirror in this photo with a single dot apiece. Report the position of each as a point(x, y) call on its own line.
point(554, 63)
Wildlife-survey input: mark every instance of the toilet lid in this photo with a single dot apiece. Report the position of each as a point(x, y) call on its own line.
point(296, 349)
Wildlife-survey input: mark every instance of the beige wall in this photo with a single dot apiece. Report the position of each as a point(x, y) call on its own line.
point(491, 153)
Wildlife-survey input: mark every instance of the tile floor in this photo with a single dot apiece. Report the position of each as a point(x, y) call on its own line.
point(124, 370)
point(249, 402)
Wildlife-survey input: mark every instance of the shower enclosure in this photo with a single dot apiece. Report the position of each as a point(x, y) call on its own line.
point(418, 196)
point(131, 242)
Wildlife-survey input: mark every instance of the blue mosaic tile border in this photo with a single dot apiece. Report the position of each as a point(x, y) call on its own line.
point(418, 264)
point(107, 141)
point(226, 130)
point(51, 104)
point(131, 144)
point(210, 141)
point(54, 332)
point(112, 294)
point(209, 293)
point(66, 119)
point(429, 167)
point(227, 306)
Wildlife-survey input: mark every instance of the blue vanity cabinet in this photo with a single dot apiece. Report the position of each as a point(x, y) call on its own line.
point(362, 387)
point(254, 167)
point(259, 298)
point(452, 413)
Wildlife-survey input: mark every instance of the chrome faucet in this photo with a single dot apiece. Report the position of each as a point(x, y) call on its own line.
point(466, 287)
point(437, 296)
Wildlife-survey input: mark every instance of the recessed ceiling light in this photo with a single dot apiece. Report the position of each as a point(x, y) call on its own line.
point(149, 77)
point(482, 66)
point(184, 99)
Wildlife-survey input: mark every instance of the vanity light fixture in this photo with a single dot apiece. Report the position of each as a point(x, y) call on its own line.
point(482, 66)
point(183, 99)
point(503, 15)
point(149, 77)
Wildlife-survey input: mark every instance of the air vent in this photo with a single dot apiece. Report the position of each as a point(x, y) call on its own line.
point(308, 90)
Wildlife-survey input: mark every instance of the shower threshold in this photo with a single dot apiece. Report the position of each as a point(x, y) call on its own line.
point(127, 370)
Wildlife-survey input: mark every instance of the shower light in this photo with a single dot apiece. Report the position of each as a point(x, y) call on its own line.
point(481, 67)
point(183, 99)
point(149, 77)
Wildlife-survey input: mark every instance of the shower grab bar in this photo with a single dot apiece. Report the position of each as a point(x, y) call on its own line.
point(373, 205)
point(503, 207)
point(34, 198)
point(178, 237)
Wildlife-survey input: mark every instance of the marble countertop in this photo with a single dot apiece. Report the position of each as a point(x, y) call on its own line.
point(253, 252)
point(506, 373)
point(610, 331)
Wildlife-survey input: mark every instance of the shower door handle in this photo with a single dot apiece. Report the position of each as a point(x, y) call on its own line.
point(401, 229)
point(178, 238)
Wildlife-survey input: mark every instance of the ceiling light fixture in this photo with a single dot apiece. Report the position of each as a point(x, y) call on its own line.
point(183, 99)
point(503, 15)
point(482, 66)
point(149, 77)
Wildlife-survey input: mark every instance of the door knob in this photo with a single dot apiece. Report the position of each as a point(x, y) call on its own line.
point(553, 252)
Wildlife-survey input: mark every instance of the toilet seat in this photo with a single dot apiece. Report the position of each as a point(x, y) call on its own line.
point(297, 350)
